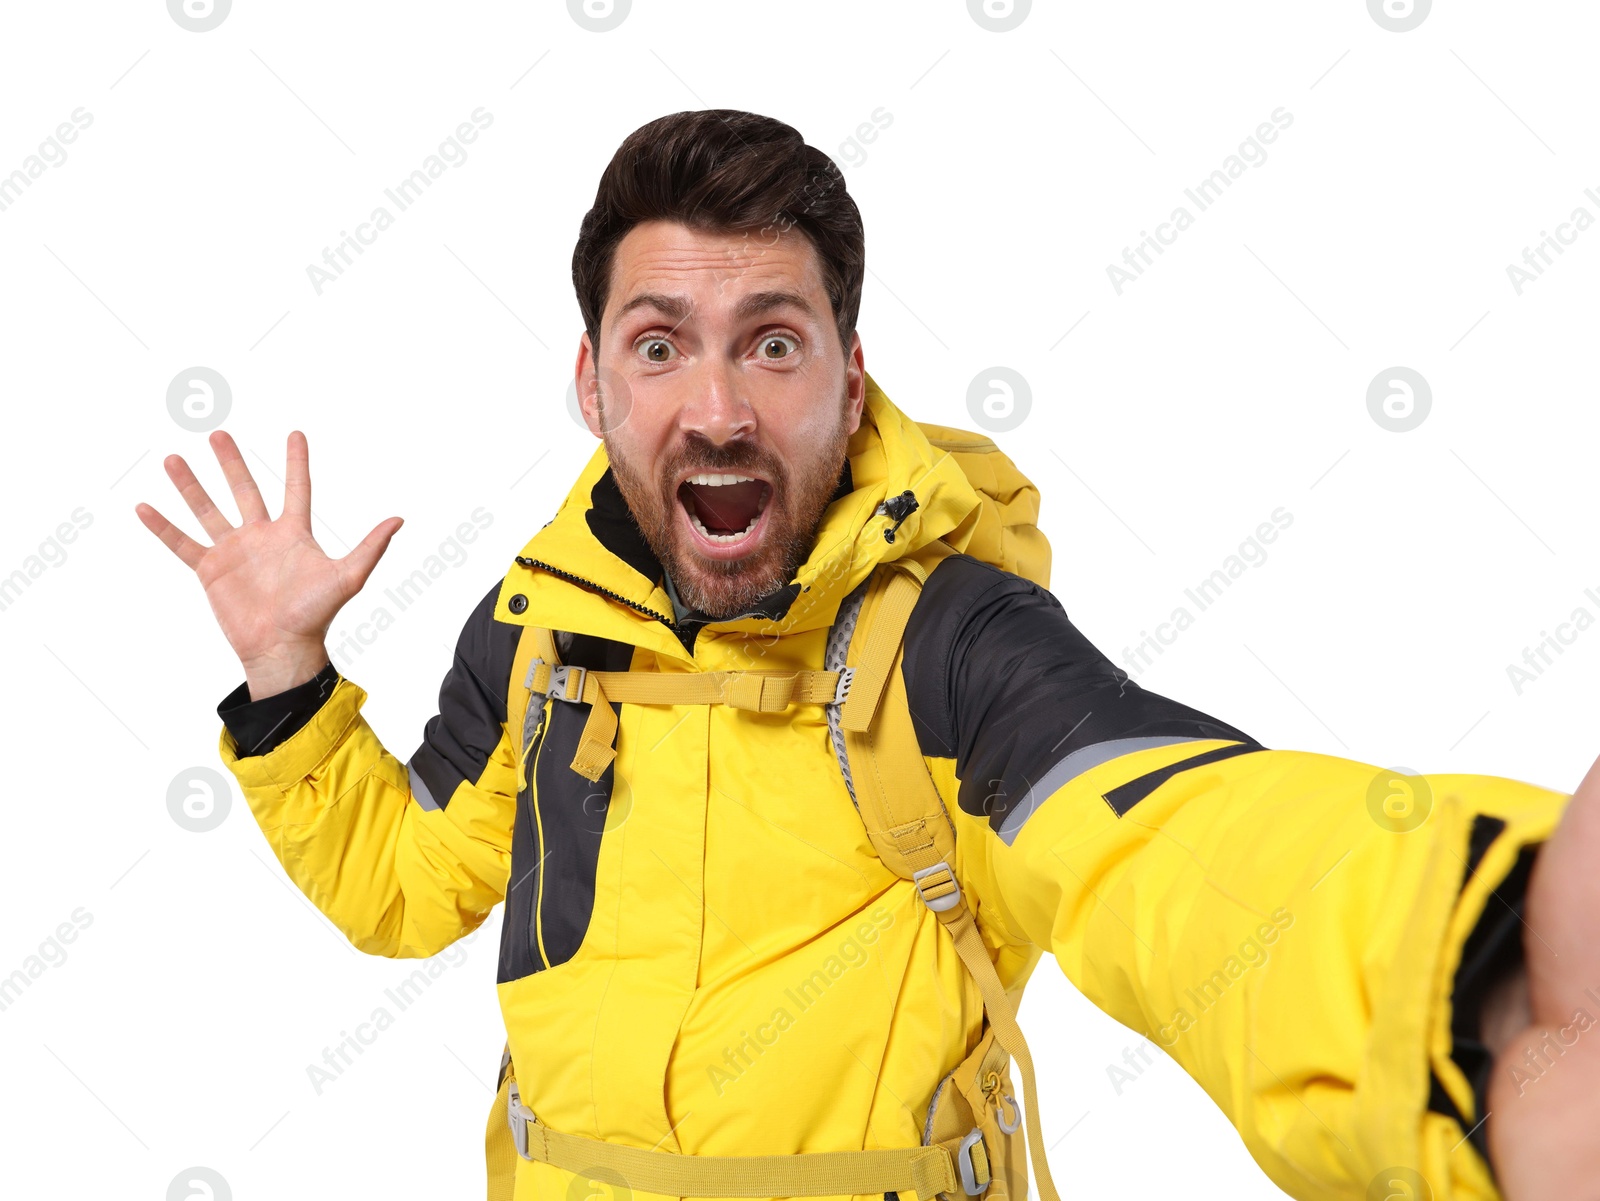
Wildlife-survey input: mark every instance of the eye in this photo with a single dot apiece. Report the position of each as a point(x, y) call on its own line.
point(656, 350)
point(783, 344)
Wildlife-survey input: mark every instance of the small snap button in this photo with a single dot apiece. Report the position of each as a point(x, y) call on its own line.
point(518, 603)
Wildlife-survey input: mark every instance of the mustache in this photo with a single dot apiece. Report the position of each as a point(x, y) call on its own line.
point(700, 453)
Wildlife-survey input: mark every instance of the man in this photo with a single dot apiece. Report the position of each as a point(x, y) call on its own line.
point(701, 956)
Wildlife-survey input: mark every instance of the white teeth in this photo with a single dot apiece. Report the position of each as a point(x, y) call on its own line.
point(699, 525)
point(717, 479)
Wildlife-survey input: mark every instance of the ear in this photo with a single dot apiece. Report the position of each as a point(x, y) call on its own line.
point(587, 378)
point(855, 384)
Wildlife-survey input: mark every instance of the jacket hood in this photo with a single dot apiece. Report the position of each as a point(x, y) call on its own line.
point(589, 569)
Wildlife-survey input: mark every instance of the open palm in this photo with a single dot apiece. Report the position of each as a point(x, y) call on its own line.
point(272, 588)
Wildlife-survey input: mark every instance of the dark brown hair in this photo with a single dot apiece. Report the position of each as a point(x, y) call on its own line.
point(721, 170)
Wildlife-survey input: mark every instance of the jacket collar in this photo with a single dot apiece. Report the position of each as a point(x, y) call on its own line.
point(590, 570)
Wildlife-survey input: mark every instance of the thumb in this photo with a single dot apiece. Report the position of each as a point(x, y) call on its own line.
point(355, 567)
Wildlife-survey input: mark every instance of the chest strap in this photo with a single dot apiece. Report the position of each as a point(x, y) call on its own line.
point(757, 691)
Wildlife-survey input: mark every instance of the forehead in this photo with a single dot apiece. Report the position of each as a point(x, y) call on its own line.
point(714, 269)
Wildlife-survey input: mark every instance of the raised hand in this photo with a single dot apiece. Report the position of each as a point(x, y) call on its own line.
point(273, 590)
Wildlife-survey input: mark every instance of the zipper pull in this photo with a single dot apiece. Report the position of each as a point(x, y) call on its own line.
point(899, 507)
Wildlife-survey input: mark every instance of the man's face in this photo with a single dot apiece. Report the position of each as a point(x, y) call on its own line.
point(725, 402)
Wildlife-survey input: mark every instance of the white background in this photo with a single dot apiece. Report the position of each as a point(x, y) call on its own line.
point(1229, 380)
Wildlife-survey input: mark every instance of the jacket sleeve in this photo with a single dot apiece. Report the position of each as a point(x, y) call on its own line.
point(1288, 926)
point(258, 726)
point(403, 857)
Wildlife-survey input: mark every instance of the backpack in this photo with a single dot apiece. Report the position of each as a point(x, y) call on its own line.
point(971, 1138)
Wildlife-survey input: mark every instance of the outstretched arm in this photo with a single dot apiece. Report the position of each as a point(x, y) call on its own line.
point(1288, 925)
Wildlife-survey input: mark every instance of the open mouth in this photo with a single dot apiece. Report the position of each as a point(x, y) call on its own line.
point(724, 509)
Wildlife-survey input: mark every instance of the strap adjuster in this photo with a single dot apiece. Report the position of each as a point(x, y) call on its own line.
point(842, 689)
point(970, 1184)
point(562, 676)
point(518, 1116)
point(937, 887)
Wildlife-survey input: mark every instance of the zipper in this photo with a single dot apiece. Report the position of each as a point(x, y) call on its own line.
point(593, 587)
point(536, 943)
point(527, 777)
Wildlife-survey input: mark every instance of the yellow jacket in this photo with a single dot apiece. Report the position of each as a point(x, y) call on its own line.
point(702, 954)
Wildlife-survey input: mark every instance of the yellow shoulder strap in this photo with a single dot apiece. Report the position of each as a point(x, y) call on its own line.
point(906, 818)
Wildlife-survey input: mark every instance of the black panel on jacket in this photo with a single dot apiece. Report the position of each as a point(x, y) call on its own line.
point(1125, 796)
point(1492, 952)
point(611, 522)
point(260, 726)
point(459, 739)
point(1000, 680)
point(550, 895)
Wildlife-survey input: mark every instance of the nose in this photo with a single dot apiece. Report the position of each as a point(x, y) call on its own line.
point(717, 409)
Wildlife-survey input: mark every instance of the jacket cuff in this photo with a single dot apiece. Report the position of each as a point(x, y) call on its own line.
point(1483, 943)
point(259, 726)
point(1491, 952)
point(303, 751)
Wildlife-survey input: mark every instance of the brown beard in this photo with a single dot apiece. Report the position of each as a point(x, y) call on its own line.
point(724, 588)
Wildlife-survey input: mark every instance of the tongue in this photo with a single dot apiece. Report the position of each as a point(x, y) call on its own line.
point(726, 508)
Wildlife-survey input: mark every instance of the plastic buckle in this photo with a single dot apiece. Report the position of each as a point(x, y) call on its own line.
point(941, 873)
point(518, 1116)
point(559, 675)
point(969, 1174)
point(846, 674)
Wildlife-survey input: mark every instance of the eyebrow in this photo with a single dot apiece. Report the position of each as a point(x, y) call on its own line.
point(678, 308)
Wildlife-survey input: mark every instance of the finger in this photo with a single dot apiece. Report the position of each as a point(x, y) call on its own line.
point(297, 480)
point(210, 517)
point(358, 564)
point(242, 483)
point(179, 543)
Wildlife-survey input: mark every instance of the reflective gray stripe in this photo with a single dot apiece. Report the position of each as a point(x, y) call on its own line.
point(1075, 764)
point(419, 790)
